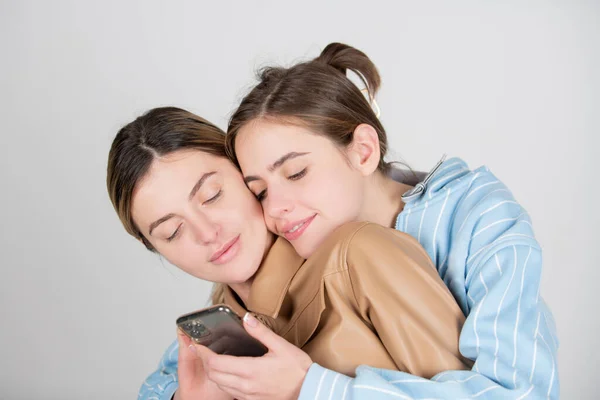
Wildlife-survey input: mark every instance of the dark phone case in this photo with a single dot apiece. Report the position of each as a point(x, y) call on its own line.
point(220, 329)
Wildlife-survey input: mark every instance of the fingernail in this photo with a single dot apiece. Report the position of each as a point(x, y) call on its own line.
point(183, 338)
point(250, 320)
point(193, 349)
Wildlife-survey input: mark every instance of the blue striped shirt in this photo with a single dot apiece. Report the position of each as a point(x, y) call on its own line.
point(482, 244)
point(162, 383)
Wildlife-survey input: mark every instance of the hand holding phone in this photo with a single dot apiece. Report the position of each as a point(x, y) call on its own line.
point(192, 377)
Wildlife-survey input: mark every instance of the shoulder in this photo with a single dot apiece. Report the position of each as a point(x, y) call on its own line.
point(487, 208)
point(488, 217)
point(364, 233)
point(358, 244)
point(474, 194)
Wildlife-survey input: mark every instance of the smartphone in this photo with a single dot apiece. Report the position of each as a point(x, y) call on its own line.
point(220, 329)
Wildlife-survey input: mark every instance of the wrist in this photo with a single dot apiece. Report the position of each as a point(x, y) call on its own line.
point(304, 367)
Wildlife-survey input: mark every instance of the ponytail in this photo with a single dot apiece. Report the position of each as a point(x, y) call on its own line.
point(343, 58)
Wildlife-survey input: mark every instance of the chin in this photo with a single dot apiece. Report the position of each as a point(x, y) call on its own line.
point(305, 250)
point(243, 276)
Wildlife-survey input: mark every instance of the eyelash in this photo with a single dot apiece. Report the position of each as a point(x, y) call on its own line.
point(214, 198)
point(174, 235)
point(298, 175)
point(261, 196)
point(209, 201)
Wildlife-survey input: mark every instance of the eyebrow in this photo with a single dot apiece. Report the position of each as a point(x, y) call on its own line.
point(158, 222)
point(280, 161)
point(193, 192)
point(199, 184)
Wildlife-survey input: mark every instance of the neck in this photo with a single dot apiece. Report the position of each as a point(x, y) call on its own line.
point(383, 200)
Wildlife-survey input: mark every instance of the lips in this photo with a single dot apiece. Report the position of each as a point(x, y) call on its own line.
point(294, 230)
point(222, 255)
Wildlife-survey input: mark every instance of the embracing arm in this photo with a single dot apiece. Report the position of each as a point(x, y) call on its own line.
point(509, 333)
point(181, 376)
point(398, 291)
point(162, 383)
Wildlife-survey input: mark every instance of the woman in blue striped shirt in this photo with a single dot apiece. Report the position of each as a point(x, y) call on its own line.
point(283, 136)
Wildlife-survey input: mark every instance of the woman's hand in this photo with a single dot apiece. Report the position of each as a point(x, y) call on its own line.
point(193, 382)
point(276, 375)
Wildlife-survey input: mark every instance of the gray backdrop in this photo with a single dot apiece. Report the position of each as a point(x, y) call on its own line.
point(86, 311)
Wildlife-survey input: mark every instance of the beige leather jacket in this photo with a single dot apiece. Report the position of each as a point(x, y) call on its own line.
point(369, 295)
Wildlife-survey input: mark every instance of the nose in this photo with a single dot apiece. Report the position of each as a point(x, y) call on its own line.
point(205, 229)
point(277, 203)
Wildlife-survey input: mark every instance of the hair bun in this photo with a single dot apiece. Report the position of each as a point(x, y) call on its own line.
point(333, 55)
point(343, 58)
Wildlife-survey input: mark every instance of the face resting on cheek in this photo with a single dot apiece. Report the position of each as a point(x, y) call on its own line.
point(196, 211)
point(303, 180)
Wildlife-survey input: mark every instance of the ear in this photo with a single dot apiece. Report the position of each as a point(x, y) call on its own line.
point(364, 152)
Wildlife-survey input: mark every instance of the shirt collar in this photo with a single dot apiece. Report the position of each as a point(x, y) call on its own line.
point(271, 281)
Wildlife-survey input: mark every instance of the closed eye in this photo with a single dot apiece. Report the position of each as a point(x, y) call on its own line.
point(214, 198)
point(174, 235)
point(261, 196)
point(298, 175)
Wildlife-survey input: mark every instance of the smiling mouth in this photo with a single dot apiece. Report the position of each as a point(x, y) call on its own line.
point(297, 229)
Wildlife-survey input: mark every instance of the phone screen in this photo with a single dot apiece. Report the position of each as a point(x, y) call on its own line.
point(221, 330)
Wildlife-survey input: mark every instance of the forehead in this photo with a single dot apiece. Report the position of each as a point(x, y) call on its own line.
point(181, 166)
point(267, 140)
point(169, 181)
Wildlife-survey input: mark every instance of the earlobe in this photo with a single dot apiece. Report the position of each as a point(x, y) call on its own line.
point(364, 151)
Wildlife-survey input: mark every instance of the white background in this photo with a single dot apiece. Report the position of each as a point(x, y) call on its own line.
point(86, 311)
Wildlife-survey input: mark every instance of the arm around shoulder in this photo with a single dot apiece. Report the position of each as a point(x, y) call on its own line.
point(398, 289)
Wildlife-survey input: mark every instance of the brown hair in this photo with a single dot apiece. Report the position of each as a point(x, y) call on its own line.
point(218, 294)
point(157, 133)
point(316, 94)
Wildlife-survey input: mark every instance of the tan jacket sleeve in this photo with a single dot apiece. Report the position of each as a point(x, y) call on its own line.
point(397, 288)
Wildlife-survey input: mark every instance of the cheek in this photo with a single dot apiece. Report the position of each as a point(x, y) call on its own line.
point(339, 196)
point(188, 257)
point(270, 222)
point(250, 205)
point(245, 212)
